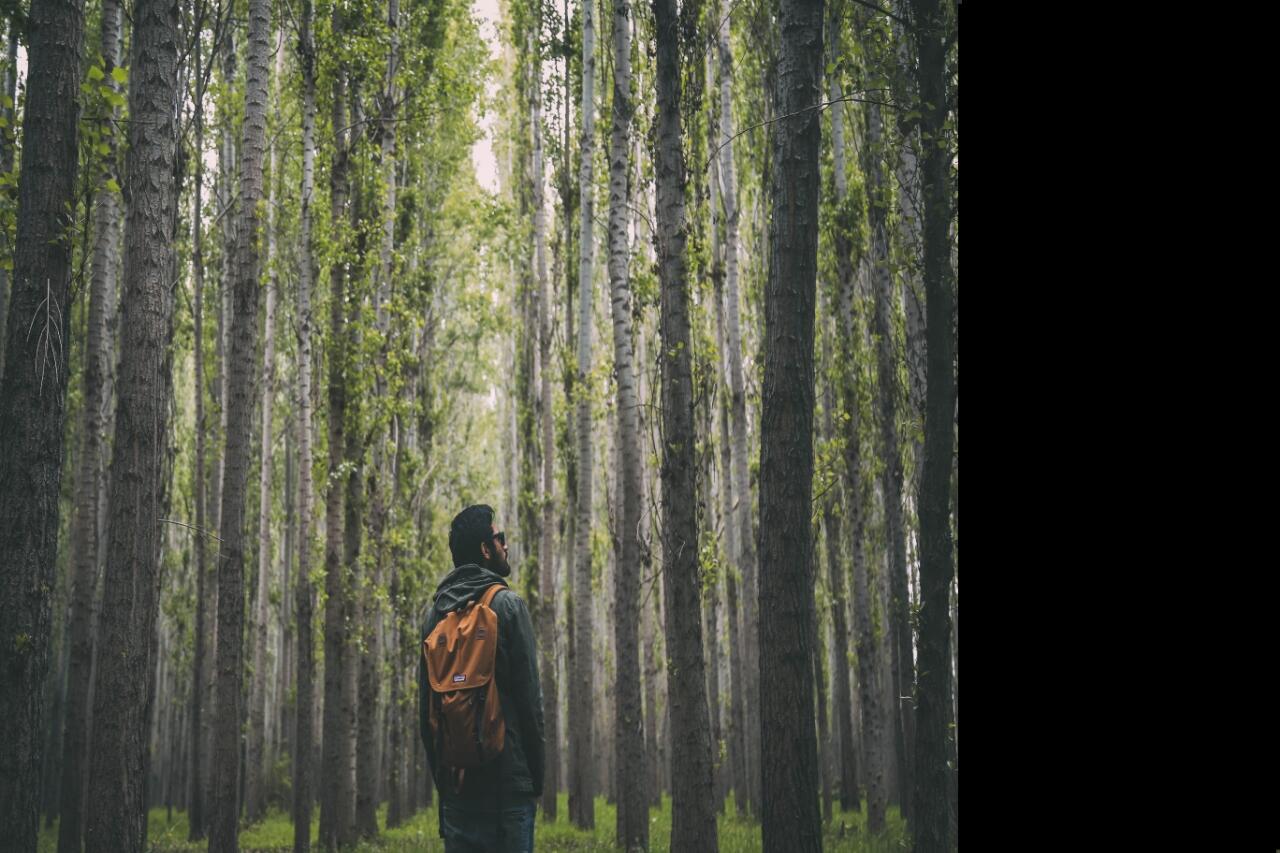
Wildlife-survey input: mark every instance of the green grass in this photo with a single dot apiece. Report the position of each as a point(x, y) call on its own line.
point(845, 833)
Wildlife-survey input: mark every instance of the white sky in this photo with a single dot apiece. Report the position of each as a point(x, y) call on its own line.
point(486, 165)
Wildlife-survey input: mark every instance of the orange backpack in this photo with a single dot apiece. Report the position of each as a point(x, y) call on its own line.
point(465, 714)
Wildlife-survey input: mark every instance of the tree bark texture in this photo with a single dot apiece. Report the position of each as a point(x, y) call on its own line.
point(546, 550)
point(255, 770)
point(84, 542)
point(202, 641)
point(745, 557)
point(116, 813)
point(693, 813)
point(789, 761)
point(582, 704)
point(935, 825)
point(224, 825)
point(884, 296)
point(633, 809)
point(33, 400)
point(304, 725)
point(337, 802)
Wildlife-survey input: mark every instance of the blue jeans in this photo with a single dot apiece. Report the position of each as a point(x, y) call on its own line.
point(508, 830)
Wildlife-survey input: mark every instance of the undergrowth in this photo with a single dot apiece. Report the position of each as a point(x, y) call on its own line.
point(845, 833)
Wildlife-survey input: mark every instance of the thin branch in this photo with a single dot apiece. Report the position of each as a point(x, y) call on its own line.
point(191, 527)
point(821, 106)
point(873, 7)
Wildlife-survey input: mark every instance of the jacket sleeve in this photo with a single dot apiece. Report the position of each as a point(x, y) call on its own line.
point(527, 691)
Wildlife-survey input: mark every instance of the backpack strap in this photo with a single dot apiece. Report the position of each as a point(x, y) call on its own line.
point(491, 593)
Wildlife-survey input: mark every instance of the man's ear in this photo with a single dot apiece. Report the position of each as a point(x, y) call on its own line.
point(484, 551)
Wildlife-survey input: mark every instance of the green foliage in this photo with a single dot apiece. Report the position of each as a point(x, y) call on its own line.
point(845, 833)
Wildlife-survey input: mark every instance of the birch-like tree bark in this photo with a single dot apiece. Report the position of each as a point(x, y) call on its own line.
point(84, 537)
point(123, 692)
point(745, 557)
point(789, 761)
point(542, 369)
point(202, 642)
point(582, 705)
point(255, 770)
point(633, 810)
point(304, 726)
point(33, 401)
point(224, 826)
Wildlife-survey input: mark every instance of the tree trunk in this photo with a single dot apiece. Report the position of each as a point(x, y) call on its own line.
point(202, 641)
point(84, 543)
point(850, 795)
point(745, 557)
point(935, 824)
point(546, 551)
point(693, 823)
point(582, 706)
point(33, 400)
point(891, 472)
point(788, 752)
point(256, 770)
point(633, 809)
point(337, 803)
point(736, 736)
point(126, 678)
point(224, 826)
point(304, 727)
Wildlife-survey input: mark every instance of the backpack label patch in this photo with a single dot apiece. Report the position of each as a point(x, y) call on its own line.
point(458, 678)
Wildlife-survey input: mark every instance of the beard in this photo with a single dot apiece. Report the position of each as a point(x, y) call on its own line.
point(497, 563)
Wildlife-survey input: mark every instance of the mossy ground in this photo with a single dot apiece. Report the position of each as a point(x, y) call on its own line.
point(844, 833)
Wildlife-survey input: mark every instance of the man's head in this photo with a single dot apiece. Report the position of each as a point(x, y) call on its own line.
point(474, 539)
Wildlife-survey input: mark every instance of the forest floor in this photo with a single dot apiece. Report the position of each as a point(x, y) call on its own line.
point(275, 833)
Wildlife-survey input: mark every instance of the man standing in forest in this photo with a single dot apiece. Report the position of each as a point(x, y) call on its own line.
point(491, 806)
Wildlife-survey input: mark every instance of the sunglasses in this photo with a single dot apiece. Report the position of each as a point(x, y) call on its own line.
point(501, 537)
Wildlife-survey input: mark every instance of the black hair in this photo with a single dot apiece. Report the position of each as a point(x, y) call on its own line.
point(470, 527)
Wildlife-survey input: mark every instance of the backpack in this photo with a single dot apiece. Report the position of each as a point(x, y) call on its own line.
point(465, 714)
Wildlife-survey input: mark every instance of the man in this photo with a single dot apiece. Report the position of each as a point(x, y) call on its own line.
point(495, 808)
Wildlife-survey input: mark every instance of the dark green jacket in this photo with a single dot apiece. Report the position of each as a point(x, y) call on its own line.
point(518, 770)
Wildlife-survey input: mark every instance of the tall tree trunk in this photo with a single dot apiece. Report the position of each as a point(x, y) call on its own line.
point(255, 772)
point(935, 825)
point(633, 809)
point(788, 752)
point(116, 813)
point(202, 641)
point(891, 472)
point(33, 400)
point(581, 708)
point(337, 803)
point(546, 550)
point(693, 821)
point(850, 795)
point(228, 203)
point(745, 557)
point(304, 726)
point(84, 543)
point(368, 759)
point(736, 738)
point(224, 826)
